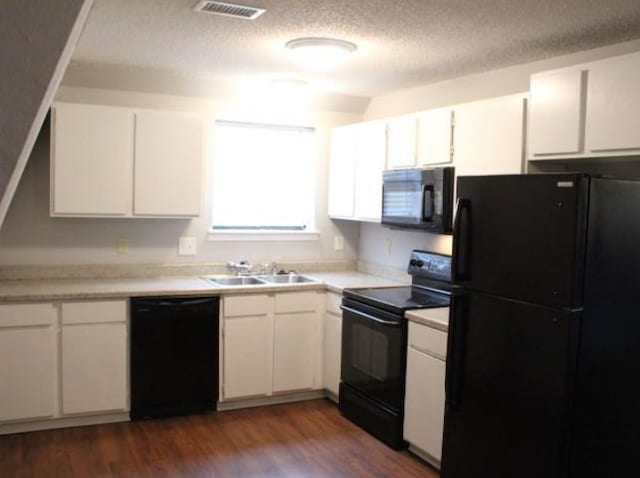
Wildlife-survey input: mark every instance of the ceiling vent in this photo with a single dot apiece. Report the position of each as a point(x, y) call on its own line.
point(229, 10)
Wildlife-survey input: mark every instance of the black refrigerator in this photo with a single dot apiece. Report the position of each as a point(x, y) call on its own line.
point(543, 360)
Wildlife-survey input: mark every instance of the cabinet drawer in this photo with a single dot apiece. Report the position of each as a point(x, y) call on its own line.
point(333, 303)
point(427, 340)
point(18, 315)
point(244, 305)
point(296, 302)
point(94, 312)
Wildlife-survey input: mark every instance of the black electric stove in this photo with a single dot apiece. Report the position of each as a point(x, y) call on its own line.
point(374, 345)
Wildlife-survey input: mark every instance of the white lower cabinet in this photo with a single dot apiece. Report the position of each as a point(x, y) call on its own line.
point(94, 357)
point(28, 371)
point(270, 344)
point(332, 344)
point(424, 395)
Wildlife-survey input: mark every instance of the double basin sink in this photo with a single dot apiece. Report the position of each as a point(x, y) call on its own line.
point(259, 280)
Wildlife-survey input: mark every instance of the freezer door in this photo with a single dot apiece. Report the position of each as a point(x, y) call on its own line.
point(509, 379)
point(606, 438)
point(522, 237)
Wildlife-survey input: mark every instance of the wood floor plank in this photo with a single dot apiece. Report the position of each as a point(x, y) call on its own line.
point(306, 439)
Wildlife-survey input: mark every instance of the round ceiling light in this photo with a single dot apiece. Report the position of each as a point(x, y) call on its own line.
point(320, 53)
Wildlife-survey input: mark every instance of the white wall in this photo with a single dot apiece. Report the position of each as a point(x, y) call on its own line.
point(30, 237)
point(373, 237)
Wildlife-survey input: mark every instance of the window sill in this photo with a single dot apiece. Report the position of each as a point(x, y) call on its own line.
point(252, 236)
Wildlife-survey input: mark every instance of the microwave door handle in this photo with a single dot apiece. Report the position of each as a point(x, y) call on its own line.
point(427, 203)
point(461, 253)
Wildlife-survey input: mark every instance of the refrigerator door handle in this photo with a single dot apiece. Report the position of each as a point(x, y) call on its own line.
point(461, 241)
point(456, 349)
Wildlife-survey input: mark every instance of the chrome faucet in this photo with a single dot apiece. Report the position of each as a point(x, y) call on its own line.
point(242, 268)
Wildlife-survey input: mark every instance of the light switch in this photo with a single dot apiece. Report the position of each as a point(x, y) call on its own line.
point(338, 243)
point(123, 246)
point(187, 246)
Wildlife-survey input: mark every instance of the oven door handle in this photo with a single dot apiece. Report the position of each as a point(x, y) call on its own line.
point(369, 317)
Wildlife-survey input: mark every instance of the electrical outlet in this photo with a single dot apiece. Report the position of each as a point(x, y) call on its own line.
point(338, 243)
point(123, 246)
point(187, 246)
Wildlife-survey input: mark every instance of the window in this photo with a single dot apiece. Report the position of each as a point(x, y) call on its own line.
point(263, 177)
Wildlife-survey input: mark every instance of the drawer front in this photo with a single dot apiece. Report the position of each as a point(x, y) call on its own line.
point(296, 302)
point(333, 303)
point(94, 312)
point(427, 340)
point(18, 315)
point(245, 305)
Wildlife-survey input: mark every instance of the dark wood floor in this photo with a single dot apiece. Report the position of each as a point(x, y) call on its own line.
point(306, 439)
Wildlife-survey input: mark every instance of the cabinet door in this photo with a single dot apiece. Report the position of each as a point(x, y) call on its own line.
point(556, 118)
point(27, 373)
point(424, 402)
point(489, 136)
point(91, 160)
point(401, 142)
point(168, 164)
point(294, 351)
point(434, 137)
point(247, 356)
point(342, 172)
point(613, 105)
point(332, 349)
point(370, 161)
point(94, 368)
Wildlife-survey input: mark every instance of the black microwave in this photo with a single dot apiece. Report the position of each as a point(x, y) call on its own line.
point(418, 199)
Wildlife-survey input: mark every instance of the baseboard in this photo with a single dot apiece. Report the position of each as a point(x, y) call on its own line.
point(52, 423)
point(272, 400)
point(424, 456)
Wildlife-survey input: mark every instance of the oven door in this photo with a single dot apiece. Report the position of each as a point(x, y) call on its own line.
point(374, 345)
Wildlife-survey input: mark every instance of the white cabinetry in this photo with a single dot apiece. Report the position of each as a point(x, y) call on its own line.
point(296, 343)
point(489, 136)
point(168, 165)
point(271, 344)
point(589, 110)
point(613, 105)
point(120, 162)
point(91, 160)
point(342, 165)
point(435, 137)
point(28, 361)
point(556, 115)
point(424, 398)
point(401, 142)
point(94, 357)
point(332, 344)
point(355, 176)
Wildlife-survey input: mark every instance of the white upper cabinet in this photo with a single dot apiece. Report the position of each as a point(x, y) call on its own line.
point(435, 137)
point(370, 163)
point(489, 136)
point(168, 164)
point(342, 172)
point(556, 112)
point(358, 156)
point(613, 105)
point(91, 158)
point(104, 165)
point(401, 142)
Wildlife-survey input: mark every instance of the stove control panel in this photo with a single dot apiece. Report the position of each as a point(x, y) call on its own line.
point(430, 265)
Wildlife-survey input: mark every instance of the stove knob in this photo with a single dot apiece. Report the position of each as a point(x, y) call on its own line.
point(413, 262)
point(420, 263)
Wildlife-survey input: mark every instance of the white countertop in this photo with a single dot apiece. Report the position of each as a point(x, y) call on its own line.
point(437, 318)
point(78, 289)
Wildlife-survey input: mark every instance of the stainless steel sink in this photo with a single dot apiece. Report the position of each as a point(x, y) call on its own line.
point(287, 279)
point(235, 280)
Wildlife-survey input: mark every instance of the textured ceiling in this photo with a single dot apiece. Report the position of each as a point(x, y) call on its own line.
point(402, 43)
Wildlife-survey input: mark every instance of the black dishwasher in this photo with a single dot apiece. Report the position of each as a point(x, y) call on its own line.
point(174, 355)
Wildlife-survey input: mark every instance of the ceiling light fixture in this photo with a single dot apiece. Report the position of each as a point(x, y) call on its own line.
point(320, 53)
